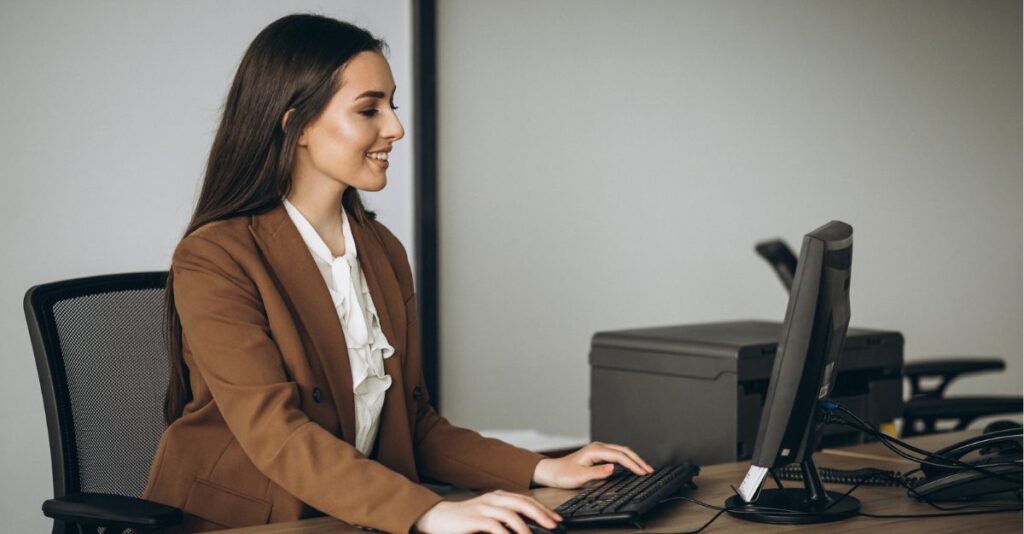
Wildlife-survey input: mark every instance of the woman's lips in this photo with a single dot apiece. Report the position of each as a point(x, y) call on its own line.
point(378, 162)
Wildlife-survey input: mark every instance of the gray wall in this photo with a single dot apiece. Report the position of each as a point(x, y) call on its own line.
point(606, 165)
point(603, 165)
point(109, 109)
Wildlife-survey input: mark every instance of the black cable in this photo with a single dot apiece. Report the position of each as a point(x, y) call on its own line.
point(910, 487)
point(694, 501)
point(995, 507)
point(885, 437)
point(912, 490)
point(923, 498)
point(905, 479)
point(832, 475)
point(902, 479)
point(705, 525)
point(751, 509)
point(754, 509)
point(886, 440)
point(955, 463)
point(745, 509)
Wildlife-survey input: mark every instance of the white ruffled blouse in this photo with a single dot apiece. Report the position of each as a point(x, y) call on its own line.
point(367, 347)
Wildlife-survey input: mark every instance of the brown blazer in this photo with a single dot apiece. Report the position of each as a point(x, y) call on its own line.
point(269, 434)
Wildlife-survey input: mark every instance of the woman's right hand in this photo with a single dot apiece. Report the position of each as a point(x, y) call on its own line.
point(497, 512)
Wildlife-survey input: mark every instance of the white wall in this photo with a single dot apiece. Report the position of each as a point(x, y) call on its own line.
point(607, 165)
point(108, 112)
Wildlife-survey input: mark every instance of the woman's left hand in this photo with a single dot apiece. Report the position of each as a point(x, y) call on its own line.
point(578, 468)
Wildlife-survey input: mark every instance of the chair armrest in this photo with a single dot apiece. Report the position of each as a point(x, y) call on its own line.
point(921, 414)
point(781, 258)
point(106, 510)
point(947, 369)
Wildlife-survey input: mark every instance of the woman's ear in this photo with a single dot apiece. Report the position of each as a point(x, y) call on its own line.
point(284, 122)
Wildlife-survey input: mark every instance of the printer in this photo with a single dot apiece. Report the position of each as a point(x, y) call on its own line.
point(695, 392)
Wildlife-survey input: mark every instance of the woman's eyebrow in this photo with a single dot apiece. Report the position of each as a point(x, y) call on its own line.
point(375, 94)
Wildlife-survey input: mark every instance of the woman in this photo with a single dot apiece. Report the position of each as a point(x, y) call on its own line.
point(296, 384)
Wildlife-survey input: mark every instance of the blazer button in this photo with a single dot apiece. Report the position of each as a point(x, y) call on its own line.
point(417, 393)
point(316, 394)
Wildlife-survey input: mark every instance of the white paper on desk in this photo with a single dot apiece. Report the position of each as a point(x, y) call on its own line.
point(535, 440)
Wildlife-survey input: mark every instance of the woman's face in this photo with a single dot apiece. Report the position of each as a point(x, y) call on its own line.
point(350, 141)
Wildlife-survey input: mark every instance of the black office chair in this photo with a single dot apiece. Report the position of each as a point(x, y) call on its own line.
point(102, 360)
point(926, 406)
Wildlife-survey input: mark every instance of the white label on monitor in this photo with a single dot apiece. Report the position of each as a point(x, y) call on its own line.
point(826, 379)
point(751, 484)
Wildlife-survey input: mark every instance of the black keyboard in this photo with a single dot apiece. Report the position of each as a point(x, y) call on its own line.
point(624, 497)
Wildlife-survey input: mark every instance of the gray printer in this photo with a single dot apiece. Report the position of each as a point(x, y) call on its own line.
point(694, 392)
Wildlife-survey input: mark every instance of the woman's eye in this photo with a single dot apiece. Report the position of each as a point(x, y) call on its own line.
point(373, 111)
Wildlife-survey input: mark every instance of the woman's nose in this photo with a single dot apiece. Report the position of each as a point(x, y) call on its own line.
point(394, 130)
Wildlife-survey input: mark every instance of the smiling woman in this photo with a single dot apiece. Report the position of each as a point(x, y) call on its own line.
point(297, 386)
point(349, 142)
point(346, 145)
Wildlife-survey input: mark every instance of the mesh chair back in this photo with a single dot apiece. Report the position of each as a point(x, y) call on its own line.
point(102, 360)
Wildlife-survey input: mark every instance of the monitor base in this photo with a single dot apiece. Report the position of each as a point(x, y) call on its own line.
point(772, 504)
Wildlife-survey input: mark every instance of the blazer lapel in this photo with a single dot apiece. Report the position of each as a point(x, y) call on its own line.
point(383, 285)
point(394, 442)
point(304, 286)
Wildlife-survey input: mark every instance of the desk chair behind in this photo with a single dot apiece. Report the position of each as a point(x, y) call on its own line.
point(926, 405)
point(103, 367)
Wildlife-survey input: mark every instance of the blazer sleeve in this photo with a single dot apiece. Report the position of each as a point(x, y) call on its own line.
point(461, 456)
point(225, 326)
point(444, 451)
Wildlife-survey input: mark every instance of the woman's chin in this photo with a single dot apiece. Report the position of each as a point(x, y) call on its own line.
point(372, 185)
point(375, 180)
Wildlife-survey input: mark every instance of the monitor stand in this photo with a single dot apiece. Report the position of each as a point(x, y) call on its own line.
point(786, 506)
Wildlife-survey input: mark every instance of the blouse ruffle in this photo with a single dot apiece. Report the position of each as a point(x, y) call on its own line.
point(367, 346)
point(367, 350)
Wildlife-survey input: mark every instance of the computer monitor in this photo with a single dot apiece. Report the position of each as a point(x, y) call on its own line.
point(802, 376)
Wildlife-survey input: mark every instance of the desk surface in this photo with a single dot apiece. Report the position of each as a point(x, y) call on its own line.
point(714, 482)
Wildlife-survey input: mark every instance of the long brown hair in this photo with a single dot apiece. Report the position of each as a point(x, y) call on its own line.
point(295, 62)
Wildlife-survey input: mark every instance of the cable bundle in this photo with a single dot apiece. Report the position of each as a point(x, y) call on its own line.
point(869, 476)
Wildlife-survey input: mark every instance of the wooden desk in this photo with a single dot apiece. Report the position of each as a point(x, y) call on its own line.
point(714, 482)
